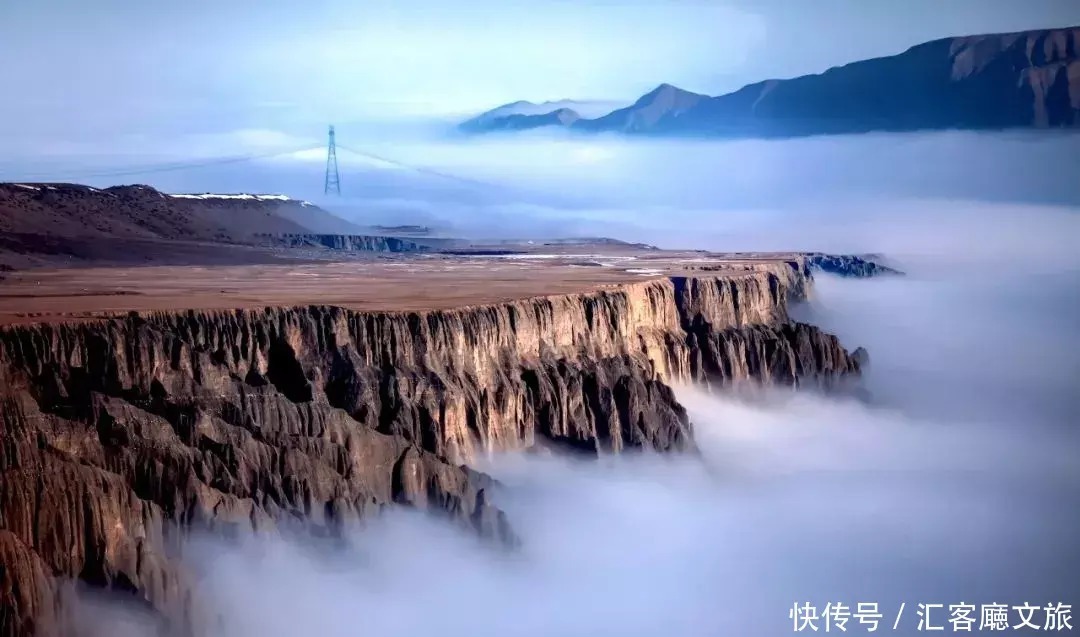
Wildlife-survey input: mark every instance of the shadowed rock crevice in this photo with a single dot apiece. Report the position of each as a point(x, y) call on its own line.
point(286, 373)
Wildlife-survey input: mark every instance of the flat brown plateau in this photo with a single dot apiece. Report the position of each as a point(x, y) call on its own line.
point(405, 283)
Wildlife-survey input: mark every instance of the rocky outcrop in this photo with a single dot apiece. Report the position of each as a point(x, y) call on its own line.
point(101, 470)
point(119, 436)
point(342, 242)
point(849, 265)
point(403, 230)
point(1029, 79)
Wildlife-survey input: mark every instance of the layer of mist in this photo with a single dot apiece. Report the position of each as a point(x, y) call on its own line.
point(688, 193)
point(802, 499)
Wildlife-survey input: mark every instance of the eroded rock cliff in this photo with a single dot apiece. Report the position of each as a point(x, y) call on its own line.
point(118, 436)
point(342, 242)
point(850, 265)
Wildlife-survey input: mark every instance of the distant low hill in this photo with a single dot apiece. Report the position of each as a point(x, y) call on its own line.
point(1028, 79)
point(141, 212)
point(523, 114)
point(46, 222)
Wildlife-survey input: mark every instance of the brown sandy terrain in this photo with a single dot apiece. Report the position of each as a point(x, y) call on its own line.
point(71, 252)
point(408, 282)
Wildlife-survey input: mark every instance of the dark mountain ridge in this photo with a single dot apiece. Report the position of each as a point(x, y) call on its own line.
point(1028, 79)
point(57, 223)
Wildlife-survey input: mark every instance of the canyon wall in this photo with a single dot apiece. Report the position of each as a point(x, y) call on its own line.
point(120, 436)
point(341, 242)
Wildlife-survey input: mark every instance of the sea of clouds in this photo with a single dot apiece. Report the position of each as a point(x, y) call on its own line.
point(956, 483)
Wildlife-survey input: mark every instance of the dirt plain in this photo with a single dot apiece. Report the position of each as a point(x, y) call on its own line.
point(399, 283)
point(70, 252)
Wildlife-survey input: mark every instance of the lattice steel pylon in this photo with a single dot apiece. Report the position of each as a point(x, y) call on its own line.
point(333, 180)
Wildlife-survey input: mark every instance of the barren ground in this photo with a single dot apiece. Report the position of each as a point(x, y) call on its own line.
point(411, 282)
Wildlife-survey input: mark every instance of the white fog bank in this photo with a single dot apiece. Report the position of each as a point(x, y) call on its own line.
point(805, 500)
point(675, 193)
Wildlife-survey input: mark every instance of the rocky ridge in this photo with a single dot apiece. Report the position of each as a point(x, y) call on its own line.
point(43, 224)
point(121, 435)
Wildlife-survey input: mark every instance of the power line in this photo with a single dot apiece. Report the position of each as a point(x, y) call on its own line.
point(431, 171)
point(332, 182)
point(419, 169)
point(136, 170)
point(476, 183)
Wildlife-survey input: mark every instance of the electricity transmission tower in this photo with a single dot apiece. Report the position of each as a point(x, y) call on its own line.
point(333, 181)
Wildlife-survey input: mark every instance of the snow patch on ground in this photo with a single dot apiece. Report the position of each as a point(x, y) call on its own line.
point(243, 196)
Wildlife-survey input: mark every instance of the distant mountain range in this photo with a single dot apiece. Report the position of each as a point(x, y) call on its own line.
point(1029, 79)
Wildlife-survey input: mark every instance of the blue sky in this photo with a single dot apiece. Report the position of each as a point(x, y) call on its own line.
point(127, 63)
point(131, 82)
point(96, 86)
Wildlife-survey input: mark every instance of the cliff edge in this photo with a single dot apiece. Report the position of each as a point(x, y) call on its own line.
point(120, 436)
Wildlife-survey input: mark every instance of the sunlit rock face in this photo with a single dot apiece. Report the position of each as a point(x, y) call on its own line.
point(121, 435)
